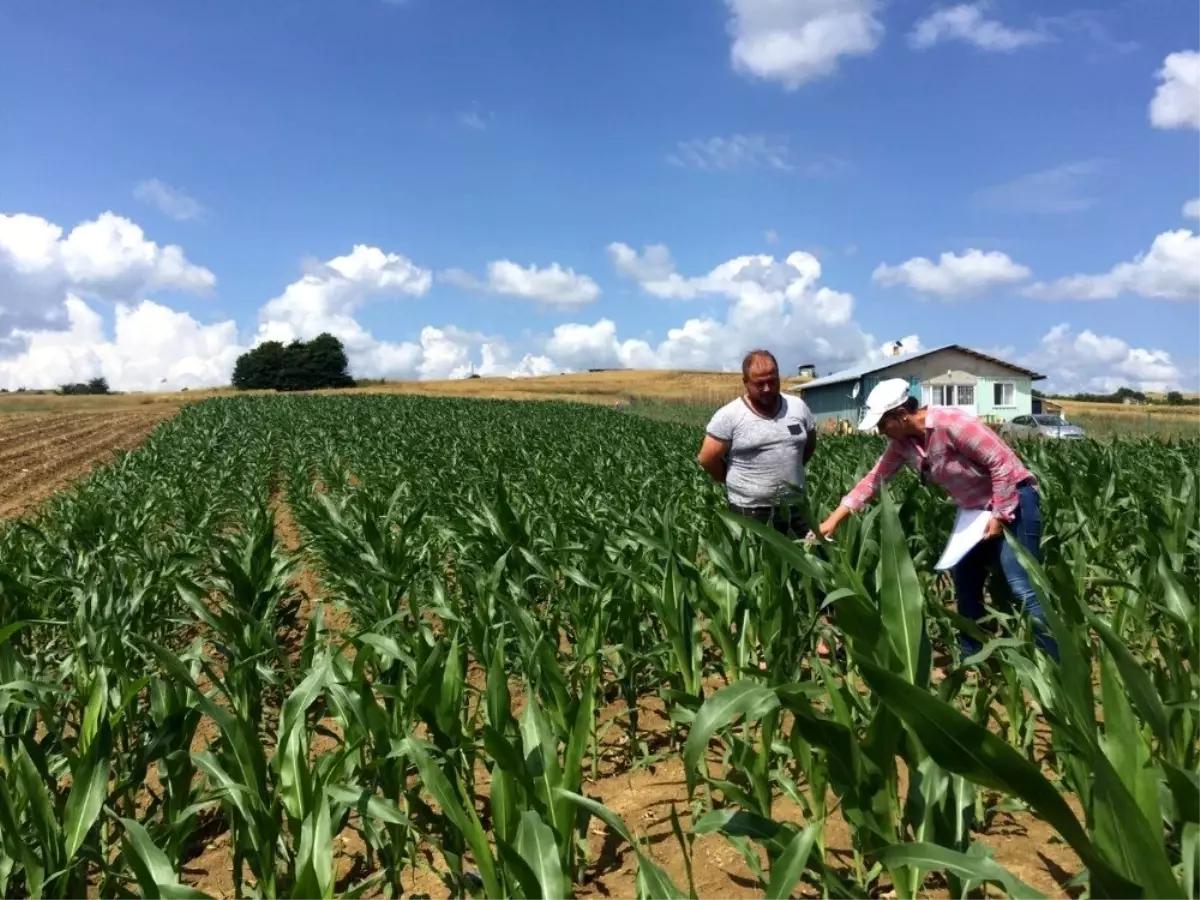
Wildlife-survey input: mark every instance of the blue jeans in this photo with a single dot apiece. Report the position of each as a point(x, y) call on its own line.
point(970, 574)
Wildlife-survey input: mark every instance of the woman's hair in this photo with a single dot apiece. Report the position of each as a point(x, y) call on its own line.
point(910, 404)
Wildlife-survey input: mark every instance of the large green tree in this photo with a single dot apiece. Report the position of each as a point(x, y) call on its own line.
point(299, 366)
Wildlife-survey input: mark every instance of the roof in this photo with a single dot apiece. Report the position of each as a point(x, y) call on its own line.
point(856, 372)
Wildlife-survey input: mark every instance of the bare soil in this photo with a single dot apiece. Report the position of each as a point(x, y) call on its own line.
point(42, 453)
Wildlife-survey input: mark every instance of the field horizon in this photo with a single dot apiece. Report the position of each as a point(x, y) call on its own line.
point(691, 387)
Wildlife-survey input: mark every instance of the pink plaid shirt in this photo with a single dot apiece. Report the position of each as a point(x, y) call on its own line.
point(963, 455)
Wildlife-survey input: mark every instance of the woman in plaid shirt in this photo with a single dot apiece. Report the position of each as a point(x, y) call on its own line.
point(956, 450)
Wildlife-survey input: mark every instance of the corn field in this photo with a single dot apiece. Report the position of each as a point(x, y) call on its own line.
point(483, 598)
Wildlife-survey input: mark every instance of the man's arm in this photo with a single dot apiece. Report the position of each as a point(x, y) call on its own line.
point(810, 447)
point(712, 457)
point(810, 444)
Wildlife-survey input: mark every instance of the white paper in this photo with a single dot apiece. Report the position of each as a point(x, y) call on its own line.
point(969, 527)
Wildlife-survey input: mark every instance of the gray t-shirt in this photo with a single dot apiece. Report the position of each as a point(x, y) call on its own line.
point(765, 462)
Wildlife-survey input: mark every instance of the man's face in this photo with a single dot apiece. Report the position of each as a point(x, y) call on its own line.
point(762, 383)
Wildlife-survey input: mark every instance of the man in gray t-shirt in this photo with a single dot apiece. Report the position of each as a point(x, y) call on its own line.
point(758, 446)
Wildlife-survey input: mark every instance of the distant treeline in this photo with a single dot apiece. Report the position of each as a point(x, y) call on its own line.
point(95, 386)
point(298, 366)
point(1120, 395)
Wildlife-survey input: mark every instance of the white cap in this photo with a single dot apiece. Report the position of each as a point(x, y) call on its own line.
point(885, 396)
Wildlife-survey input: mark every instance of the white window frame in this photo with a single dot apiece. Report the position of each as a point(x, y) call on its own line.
point(1012, 389)
point(947, 394)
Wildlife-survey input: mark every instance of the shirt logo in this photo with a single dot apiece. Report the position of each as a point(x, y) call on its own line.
point(794, 429)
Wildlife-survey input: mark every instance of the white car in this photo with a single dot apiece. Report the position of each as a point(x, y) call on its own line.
point(1046, 425)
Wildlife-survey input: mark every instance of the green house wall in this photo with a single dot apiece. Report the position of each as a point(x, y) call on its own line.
point(1022, 398)
point(835, 401)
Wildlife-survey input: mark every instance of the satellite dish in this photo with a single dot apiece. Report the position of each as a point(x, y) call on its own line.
point(854, 390)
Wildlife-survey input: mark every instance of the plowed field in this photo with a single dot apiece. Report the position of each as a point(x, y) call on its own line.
point(40, 453)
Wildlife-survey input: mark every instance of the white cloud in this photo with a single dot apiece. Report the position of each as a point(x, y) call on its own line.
point(169, 201)
point(966, 22)
point(1191, 209)
point(796, 42)
point(325, 298)
point(554, 285)
point(1091, 363)
point(1056, 190)
point(108, 257)
point(1170, 270)
point(653, 269)
point(152, 348)
point(580, 346)
point(774, 303)
point(1176, 102)
point(953, 276)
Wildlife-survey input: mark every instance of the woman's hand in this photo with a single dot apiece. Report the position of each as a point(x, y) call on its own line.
point(995, 529)
point(830, 525)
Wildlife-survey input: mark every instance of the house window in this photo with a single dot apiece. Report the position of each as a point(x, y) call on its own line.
point(950, 395)
point(1004, 393)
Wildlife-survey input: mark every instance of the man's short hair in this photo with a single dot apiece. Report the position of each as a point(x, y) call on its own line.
point(749, 358)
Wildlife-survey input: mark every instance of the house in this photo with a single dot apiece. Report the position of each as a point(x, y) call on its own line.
point(951, 375)
point(806, 371)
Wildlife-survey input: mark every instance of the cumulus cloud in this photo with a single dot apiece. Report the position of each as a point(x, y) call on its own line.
point(1169, 270)
point(775, 303)
point(1086, 362)
point(108, 257)
point(801, 41)
point(778, 303)
point(554, 285)
point(173, 202)
point(1176, 101)
point(967, 23)
point(152, 347)
point(327, 296)
point(953, 276)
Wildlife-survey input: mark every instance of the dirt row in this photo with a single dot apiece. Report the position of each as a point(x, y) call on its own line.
point(40, 455)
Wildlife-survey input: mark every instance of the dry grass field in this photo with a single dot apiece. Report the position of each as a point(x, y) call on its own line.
point(596, 387)
point(666, 386)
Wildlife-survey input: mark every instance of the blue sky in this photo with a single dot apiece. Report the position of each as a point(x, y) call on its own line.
point(270, 138)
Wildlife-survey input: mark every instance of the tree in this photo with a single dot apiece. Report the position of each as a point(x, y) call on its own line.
point(1174, 398)
point(260, 367)
point(327, 360)
point(300, 366)
point(95, 386)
